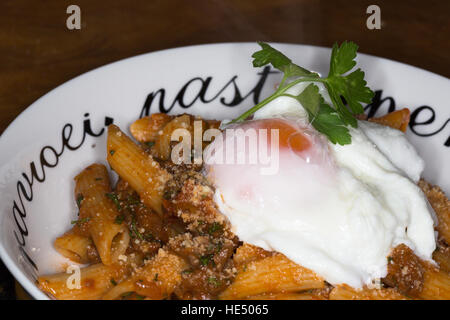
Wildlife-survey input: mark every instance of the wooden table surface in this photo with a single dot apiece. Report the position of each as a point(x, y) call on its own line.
point(38, 52)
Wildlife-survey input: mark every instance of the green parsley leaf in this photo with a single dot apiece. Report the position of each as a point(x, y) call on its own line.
point(332, 121)
point(279, 61)
point(328, 122)
point(343, 58)
point(352, 86)
point(322, 117)
point(311, 99)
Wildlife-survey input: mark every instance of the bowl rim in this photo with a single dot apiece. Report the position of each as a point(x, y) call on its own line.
point(11, 264)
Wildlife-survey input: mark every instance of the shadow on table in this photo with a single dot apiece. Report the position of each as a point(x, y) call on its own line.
point(7, 291)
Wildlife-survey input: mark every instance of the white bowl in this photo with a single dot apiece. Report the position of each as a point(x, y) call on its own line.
point(64, 131)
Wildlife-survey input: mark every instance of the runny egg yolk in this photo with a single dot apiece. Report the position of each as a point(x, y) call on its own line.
point(289, 137)
point(294, 158)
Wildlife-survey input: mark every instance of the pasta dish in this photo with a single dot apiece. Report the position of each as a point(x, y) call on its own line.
point(178, 228)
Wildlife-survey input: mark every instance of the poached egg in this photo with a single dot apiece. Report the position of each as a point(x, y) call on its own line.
point(337, 210)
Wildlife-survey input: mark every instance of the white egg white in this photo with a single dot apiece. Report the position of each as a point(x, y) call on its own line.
point(339, 220)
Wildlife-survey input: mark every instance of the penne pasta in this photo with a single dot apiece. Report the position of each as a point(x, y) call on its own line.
point(271, 274)
point(118, 291)
point(436, 285)
point(162, 146)
point(305, 295)
point(194, 126)
point(148, 128)
point(344, 292)
point(100, 213)
point(136, 167)
point(248, 253)
point(441, 205)
point(74, 247)
point(442, 256)
point(160, 276)
point(95, 280)
point(160, 234)
point(397, 119)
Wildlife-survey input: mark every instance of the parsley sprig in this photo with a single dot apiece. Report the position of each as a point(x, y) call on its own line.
point(332, 121)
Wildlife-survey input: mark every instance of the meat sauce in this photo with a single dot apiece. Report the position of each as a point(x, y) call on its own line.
point(192, 229)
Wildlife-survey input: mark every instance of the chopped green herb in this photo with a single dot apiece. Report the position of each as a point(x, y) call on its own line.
point(187, 271)
point(156, 277)
point(79, 199)
point(340, 82)
point(98, 179)
point(80, 221)
point(113, 282)
point(133, 201)
point(167, 195)
point(111, 152)
point(149, 236)
point(214, 228)
point(149, 143)
point(119, 219)
point(115, 199)
point(135, 230)
point(219, 247)
point(139, 297)
point(214, 281)
point(206, 259)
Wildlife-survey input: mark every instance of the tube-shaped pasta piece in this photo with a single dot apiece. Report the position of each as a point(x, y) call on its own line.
point(441, 205)
point(442, 256)
point(397, 119)
point(95, 280)
point(116, 292)
point(136, 167)
point(305, 295)
point(344, 292)
point(162, 146)
point(111, 239)
point(436, 284)
point(148, 128)
point(248, 253)
point(74, 246)
point(156, 280)
point(272, 274)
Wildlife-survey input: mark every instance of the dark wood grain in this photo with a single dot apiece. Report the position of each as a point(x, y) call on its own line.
point(38, 52)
